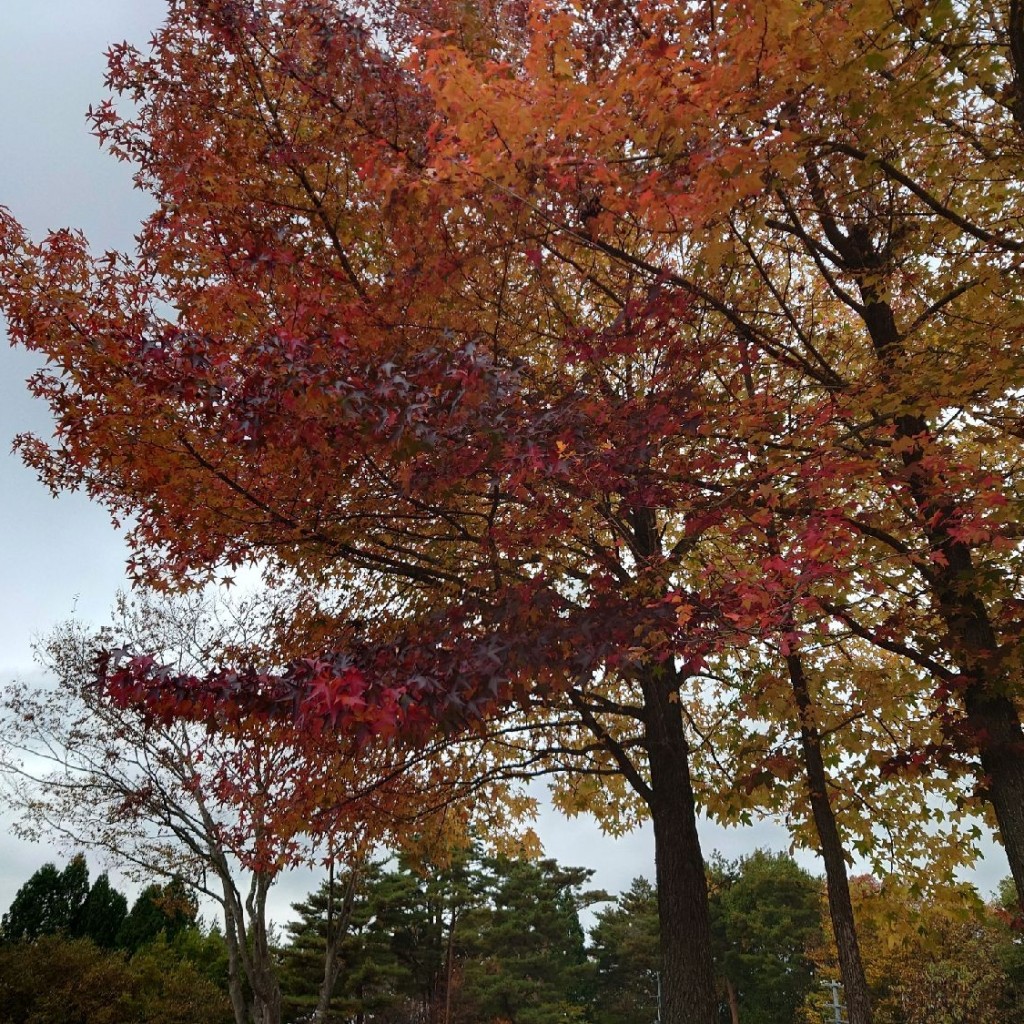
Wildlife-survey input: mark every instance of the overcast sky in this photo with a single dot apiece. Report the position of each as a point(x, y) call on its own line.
point(59, 556)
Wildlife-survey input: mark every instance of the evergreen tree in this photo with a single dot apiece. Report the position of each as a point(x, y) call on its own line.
point(461, 943)
point(51, 902)
point(103, 913)
point(521, 948)
point(159, 908)
point(418, 908)
point(765, 918)
point(338, 914)
point(626, 954)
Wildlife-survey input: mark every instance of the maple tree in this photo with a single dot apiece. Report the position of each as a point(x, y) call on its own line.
point(945, 955)
point(588, 353)
point(227, 811)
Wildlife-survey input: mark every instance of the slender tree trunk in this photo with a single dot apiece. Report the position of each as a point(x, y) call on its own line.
point(688, 987)
point(337, 925)
point(449, 966)
point(992, 717)
point(249, 955)
point(236, 975)
point(734, 1005)
point(851, 967)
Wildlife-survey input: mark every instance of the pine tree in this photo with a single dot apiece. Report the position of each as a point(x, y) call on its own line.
point(625, 950)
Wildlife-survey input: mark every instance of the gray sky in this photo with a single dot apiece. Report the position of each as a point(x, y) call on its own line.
point(62, 555)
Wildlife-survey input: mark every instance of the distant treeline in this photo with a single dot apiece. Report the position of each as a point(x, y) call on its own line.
point(491, 940)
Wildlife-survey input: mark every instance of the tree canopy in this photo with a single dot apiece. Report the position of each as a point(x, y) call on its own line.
point(649, 369)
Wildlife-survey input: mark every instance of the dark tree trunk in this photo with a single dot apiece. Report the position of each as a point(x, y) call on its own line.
point(851, 967)
point(687, 976)
point(687, 982)
point(993, 722)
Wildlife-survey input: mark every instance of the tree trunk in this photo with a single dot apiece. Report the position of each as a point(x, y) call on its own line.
point(688, 988)
point(267, 1003)
point(840, 907)
point(337, 927)
point(992, 717)
point(687, 977)
point(1002, 758)
point(734, 1005)
point(449, 965)
point(236, 991)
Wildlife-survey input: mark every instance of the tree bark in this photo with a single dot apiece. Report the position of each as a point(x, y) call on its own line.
point(734, 1005)
point(687, 977)
point(993, 721)
point(851, 967)
point(688, 987)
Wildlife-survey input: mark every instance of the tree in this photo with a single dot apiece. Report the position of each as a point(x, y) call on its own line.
point(933, 957)
point(103, 914)
point(765, 928)
point(51, 902)
point(520, 949)
point(221, 813)
point(326, 973)
point(575, 356)
point(627, 962)
point(57, 979)
point(766, 921)
point(158, 910)
point(479, 938)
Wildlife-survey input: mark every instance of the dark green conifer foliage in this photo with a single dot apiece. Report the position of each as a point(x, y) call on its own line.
point(364, 982)
point(103, 913)
point(159, 908)
point(765, 917)
point(521, 947)
point(627, 957)
point(51, 902)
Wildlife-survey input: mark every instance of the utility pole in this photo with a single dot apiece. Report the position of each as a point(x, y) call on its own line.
point(837, 1008)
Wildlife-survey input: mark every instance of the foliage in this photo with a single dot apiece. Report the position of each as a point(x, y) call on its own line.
point(104, 914)
point(364, 976)
point(765, 923)
point(55, 980)
point(51, 902)
point(520, 945)
point(158, 910)
point(475, 939)
point(651, 369)
point(765, 920)
point(943, 958)
point(627, 960)
point(56, 902)
point(221, 811)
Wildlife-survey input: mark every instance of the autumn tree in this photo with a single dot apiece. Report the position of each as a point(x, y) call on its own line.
point(943, 955)
point(574, 357)
point(57, 979)
point(213, 813)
